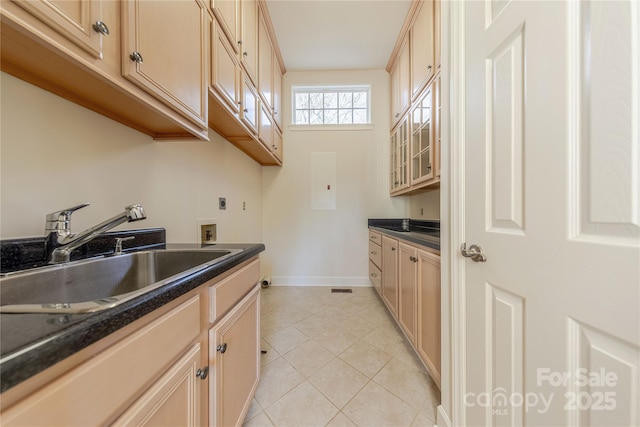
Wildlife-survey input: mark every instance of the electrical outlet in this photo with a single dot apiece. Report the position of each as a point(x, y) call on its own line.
point(222, 203)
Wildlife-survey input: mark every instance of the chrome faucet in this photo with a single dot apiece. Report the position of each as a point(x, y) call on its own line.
point(60, 242)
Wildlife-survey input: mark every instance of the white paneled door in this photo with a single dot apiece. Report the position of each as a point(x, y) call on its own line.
point(551, 195)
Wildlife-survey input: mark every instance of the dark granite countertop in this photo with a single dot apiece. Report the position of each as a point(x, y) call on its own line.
point(425, 233)
point(30, 343)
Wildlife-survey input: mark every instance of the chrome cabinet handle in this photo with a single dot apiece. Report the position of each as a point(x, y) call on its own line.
point(135, 56)
point(101, 27)
point(222, 348)
point(474, 252)
point(202, 373)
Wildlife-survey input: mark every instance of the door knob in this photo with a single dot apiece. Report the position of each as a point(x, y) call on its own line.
point(474, 252)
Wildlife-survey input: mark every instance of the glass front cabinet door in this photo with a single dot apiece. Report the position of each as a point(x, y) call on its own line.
point(422, 146)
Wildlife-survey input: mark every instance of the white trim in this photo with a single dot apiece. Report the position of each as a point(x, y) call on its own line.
point(442, 417)
point(355, 281)
point(315, 128)
point(456, 216)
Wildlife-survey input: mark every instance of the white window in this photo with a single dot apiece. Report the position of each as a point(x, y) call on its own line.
point(331, 105)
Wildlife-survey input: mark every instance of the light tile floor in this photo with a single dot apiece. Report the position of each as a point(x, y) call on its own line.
point(337, 359)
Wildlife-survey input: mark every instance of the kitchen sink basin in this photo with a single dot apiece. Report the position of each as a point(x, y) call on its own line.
point(101, 283)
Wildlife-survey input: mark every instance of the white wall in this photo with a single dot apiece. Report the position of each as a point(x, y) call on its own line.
point(425, 205)
point(313, 247)
point(55, 154)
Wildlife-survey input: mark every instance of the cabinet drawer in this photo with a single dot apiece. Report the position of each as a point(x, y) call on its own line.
point(375, 253)
point(376, 276)
point(96, 391)
point(375, 237)
point(227, 293)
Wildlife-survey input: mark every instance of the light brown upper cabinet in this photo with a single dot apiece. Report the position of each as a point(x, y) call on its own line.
point(265, 63)
point(75, 49)
point(224, 69)
point(164, 52)
point(400, 82)
point(79, 21)
point(437, 36)
point(227, 13)
point(248, 43)
point(422, 139)
point(249, 107)
point(247, 122)
point(277, 93)
point(422, 63)
point(414, 71)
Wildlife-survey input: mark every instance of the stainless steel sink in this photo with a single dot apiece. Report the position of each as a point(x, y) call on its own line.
point(98, 284)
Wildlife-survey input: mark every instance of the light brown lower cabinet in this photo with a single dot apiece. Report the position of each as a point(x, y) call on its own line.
point(390, 274)
point(234, 355)
point(163, 369)
point(428, 342)
point(411, 292)
point(408, 291)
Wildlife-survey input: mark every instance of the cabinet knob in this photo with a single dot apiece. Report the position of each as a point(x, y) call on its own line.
point(374, 275)
point(222, 348)
point(101, 27)
point(429, 67)
point(135, 56)
point(393, 248)
point(245, 110)
point(373, 252)
point(202, 373)
point(239, 42)
point(245, 54)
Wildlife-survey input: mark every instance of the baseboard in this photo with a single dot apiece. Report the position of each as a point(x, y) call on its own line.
point(320, 281)
point(443, 418)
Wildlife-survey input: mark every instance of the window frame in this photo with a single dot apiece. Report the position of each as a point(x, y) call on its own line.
point(330, 89)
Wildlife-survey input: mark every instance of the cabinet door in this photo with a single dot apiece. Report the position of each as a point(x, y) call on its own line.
point(422, 145)
point(224, 69)
point(249, 39)
point(404, 79)
point(265, 63)
point(235, 359)
point(227, 13)
point(407, 291)
point(74, 19)
point(265, 132)
point(174, 400)
point(400, 156)
point(249, 106)
point(400, 82)
point(428, 344)
point(277, 92)
point(277, 144)
point(422, 65)
point(164, 53)
point(390, 274)
point(437, 37)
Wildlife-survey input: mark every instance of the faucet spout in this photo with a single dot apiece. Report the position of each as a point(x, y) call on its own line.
point(61, 242)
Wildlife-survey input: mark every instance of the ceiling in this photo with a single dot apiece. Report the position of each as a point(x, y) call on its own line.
point(337, 34)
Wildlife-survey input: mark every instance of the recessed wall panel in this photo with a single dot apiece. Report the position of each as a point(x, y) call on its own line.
point(505, 136)
point(604, 373)
point(505, 358)
point(605, 48)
